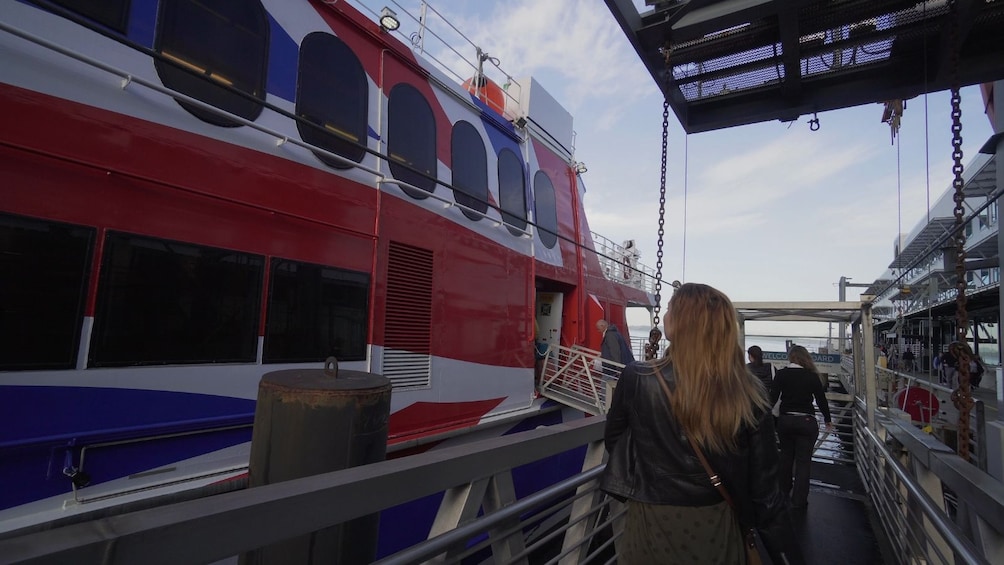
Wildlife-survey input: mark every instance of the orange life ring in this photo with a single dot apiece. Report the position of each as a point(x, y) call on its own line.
point(488, 92)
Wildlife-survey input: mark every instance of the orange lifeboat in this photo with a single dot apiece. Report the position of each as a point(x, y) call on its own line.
point(488, 91)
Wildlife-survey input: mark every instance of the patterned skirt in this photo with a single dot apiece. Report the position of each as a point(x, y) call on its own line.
point(680, 535)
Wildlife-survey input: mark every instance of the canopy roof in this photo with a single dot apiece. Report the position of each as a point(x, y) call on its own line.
point(841, 312)
point(738, 62)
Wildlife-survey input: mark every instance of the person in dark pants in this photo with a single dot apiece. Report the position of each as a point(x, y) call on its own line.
point(796, 385)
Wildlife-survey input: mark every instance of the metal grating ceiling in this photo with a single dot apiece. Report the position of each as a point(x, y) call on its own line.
point(736, 62)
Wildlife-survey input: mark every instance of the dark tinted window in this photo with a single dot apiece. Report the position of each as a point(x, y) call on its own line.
point(42, 292)
point(411, 140)
point(113, 14)
point(163, 302)
point(512, 190)
point(315, 312)
point(470, 169)
point(212, 48)
point(546, 212)
point(331, 95)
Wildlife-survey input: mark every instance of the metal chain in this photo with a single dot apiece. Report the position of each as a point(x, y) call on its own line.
point(962, 397)
point(662, 189)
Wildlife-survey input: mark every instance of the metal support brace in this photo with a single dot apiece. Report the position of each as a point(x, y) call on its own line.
point(930, 484)
point(502, 493)
point(583, 518)
point(460, 505)
point(871, 398)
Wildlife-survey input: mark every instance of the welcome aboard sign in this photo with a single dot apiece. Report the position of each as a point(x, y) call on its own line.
point(825, 362)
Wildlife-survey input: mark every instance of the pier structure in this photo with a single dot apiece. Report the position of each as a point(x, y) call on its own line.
point(883, 490)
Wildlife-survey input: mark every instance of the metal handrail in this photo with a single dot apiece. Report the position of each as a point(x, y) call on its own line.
point(439, 544)
point(193, 531)
point(950, 532)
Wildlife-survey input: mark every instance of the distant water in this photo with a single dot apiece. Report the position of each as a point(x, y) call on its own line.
point(766, 343)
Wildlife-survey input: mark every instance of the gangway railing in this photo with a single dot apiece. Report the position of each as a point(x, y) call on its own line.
point(578, 377)
point(934, 506)
point(890, 381)
point(907, 476)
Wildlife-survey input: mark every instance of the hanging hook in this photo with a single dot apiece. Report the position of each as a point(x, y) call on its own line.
point(814, 123)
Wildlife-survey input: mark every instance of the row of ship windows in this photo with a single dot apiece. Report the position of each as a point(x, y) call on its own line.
point(165, 302)
point(219, 55)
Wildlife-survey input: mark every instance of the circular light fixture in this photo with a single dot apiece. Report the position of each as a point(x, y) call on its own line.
point(388, 19)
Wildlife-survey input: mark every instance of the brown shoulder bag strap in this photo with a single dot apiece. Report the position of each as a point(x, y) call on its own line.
point(715, 479)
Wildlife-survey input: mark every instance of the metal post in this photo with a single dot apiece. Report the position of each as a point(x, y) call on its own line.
point(868, 344)
point(842, 329)
point(999, 129)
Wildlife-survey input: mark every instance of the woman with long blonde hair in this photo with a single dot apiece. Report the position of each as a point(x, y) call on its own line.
point(699, 401)
point(796, 385)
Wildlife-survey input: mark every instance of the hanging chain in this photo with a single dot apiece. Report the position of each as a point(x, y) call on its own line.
point(962, 397)
point(662, 187)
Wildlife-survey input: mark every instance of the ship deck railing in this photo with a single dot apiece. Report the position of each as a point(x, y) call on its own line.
point(886, 501)
point(620, 264)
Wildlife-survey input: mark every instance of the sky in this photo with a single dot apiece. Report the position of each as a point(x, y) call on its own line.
point(763, 212)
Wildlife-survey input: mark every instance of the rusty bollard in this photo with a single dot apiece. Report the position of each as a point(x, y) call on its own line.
point(311, 421)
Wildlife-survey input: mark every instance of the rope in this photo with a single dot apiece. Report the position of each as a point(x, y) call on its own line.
point(927, 135)
point(686, 179)
point(899, 196)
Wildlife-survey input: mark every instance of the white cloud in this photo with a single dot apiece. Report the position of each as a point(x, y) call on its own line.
point(574, 48)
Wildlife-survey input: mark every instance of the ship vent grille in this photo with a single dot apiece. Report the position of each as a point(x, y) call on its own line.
point(407, 358)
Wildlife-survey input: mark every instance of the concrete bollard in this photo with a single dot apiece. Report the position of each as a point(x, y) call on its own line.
point(312, 421)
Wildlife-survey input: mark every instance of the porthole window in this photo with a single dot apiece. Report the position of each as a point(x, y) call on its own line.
point(113, 14)
point(545, 209)
point(411, 140)
point(512, 191)
point(164, 302)
point(44, 286)
point(470, 169)
point(209, 51)
point(331, 95)
point(315, 312)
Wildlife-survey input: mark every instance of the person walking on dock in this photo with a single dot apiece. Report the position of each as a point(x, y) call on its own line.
point(760, 370)
point(692, 447)
point(614, 347)
point(796, 385)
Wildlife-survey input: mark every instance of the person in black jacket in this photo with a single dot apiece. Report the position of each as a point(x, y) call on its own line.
point(614, 347)
point(761, 370)
point(796, 385)
point(674, 512)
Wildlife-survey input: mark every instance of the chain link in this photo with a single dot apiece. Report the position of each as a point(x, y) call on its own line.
point(662, 186)
point(962, 397)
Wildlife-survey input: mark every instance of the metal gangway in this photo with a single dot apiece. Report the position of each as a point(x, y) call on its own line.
point(578, 377)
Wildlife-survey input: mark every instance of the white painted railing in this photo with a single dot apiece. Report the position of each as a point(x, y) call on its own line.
point(579, 377)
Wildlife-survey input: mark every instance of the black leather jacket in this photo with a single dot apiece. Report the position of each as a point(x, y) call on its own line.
point(651, 461)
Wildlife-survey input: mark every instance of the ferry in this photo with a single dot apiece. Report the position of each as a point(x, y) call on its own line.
point(196, 194)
